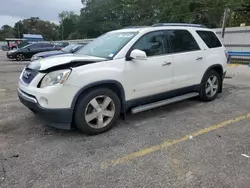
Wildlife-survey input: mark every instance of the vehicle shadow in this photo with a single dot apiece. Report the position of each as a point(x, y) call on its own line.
point(131, 119)
point(134, 119)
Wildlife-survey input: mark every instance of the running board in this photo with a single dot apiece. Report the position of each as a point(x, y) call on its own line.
point(163, 103)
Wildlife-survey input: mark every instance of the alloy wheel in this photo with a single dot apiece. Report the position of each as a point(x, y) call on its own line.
point(212, 86)
point(99, 112)
point(20, 57)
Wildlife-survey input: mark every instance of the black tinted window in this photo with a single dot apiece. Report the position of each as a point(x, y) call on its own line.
point(182, 41)
point(152, 44)
point(62, 44)
point(37, 45)
point(47, 45)
point(210, 39)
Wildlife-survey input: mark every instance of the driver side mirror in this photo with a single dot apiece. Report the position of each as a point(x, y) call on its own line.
point(137, 55)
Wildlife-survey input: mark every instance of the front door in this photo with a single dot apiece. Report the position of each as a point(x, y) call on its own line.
point(31, 50)
point(154, 75)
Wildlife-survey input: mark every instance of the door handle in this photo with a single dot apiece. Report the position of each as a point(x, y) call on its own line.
point(199, 58)
point(166, 63)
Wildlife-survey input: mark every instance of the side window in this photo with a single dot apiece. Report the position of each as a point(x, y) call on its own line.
point(64, 44)
point(35, 46)
point(182, 41)
point(42, 45)
point(152, 43)
point(47, 45)
point(210, 39)
point(76, 49)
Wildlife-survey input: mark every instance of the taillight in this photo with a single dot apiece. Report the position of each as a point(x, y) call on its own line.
point(226, 54)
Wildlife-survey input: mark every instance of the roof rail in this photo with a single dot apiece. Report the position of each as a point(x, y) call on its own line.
point(178, 24)
point(131, 27)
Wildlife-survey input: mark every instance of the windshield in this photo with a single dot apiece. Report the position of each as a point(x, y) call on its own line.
point(69, 48)
point(107, 45)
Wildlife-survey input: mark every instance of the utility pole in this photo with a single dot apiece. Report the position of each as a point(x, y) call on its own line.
point(18, 30)
point(224, 22)
point(62, 28)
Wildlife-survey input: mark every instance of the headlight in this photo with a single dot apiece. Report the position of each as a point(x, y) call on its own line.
point(54, 78)
point(11, 51)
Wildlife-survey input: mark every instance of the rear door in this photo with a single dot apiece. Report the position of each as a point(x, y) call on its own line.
point(187, 56)
point(46, 47)
point(216, 53)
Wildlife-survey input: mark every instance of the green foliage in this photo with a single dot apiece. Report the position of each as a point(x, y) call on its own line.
point(6, 32)
point(100, 16)
point(68, 25)
point(33, 25)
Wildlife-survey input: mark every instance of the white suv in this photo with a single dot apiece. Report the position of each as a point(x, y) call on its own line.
point(136, 68)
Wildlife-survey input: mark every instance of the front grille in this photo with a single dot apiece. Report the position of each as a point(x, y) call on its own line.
point(28, 75)
point(30, 71)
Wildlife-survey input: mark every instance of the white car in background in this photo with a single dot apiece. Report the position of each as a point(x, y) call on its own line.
point(137, 69)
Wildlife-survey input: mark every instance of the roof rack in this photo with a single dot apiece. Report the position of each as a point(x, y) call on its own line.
point(131, 27)
point(178, 24)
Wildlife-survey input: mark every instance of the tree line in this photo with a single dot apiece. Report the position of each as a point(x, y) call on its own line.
point(100, 16)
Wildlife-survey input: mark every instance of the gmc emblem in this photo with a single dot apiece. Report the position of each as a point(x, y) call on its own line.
point(26, 74)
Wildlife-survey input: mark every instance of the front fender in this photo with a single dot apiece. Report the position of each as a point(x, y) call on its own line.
point(100, 83)
point(92, 75)
point(95, 72)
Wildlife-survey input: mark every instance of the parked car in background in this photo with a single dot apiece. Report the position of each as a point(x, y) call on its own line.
point(15, 43)
point(61, 44)
point(70, 49)
point(5, 48)
point(28, 51)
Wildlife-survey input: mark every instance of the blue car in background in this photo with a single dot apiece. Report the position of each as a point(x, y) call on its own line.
point(72, 48)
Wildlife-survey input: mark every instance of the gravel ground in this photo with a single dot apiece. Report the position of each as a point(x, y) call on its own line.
point(167, 153)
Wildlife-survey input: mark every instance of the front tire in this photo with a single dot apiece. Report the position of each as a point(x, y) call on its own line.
point(210, 86)
point(20, 57)
point(33, 111)
point(97, 111)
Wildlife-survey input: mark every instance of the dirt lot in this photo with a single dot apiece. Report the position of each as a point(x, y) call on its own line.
point(189, 144)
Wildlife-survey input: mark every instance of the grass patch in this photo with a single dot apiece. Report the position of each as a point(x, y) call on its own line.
point(240, 61)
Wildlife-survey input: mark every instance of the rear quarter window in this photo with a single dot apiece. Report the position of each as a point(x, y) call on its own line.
point(210, 39)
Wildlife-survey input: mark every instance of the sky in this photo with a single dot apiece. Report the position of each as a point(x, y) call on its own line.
point(12, 11)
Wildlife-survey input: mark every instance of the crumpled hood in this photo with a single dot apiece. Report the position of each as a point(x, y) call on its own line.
point(70, 59)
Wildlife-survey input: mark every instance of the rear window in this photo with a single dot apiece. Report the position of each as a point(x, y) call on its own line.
point(210, 39)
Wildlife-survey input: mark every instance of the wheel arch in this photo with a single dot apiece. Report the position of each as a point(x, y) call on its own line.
point(111, 84)
point(218, 68)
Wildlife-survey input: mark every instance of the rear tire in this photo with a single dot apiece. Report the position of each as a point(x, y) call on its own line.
point(97, 111)
point(210, 86)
